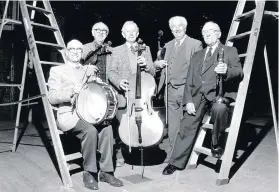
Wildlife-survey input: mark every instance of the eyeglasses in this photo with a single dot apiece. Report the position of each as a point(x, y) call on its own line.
point(210, 31)
point(104, 31)
point(72, 50)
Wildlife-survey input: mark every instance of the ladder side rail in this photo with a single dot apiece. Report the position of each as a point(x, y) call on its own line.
point(33, 11)
point(235, 24)
point(241, 95)
point(271, 97)
point(48, 110)
point(4, 17)
point(23, 78)
point(57, 33)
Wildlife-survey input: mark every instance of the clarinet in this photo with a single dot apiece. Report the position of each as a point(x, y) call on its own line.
point(220, 93)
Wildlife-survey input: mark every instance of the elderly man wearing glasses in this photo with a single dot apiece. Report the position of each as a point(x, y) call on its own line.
point(100, 32)
point(65, 81)
point(200, 95)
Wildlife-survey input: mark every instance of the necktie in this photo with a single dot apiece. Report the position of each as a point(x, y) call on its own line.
point(208, 55)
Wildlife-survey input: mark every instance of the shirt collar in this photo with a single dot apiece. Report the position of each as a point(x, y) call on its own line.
point(181, 40)
point(213, 47)
point(74, 65)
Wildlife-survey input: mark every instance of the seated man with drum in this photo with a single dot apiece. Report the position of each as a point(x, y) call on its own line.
point(65, 83)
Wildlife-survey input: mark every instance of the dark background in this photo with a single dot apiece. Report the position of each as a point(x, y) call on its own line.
point(75, 19)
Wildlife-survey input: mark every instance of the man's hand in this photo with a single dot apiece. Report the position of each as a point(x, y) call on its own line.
point(124, 85)
point(160, 63)
point(221, 68)
point(141, 61)
point(91, 70)
point(77, 89)
point(190, 108)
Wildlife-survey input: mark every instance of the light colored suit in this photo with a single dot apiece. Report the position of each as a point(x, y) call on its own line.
point(120, 67)
point(61, 82)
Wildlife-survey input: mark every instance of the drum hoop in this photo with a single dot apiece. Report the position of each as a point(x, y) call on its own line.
point(107, 110)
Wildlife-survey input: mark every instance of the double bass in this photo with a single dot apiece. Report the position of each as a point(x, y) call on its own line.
point(140, 126)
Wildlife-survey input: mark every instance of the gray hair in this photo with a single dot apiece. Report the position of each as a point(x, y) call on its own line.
point(129, 23)
point(215, 24)
point(74, 41)
point(94, 26)
point(179, 18)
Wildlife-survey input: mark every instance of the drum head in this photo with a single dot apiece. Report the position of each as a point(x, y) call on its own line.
point(92, 103)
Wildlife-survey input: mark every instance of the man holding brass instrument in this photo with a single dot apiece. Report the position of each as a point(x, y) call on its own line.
point(65, 83)
point(200, 95)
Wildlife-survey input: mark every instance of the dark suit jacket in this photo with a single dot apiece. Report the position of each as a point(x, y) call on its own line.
point(187, 49)
point(198, 82)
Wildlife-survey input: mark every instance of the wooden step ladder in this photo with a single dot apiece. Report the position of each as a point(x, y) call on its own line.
point(27, 21)
point(237, 107)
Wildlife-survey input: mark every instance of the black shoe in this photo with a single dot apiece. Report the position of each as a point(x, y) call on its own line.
point(217, 151)
point(110, 179)
point(89, 181)
point(169, 169)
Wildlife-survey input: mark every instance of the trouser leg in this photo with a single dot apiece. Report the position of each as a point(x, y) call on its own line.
point(174, 111)
point(219, 119)
point(186, 137)
point(105, 146)
point(88, 136)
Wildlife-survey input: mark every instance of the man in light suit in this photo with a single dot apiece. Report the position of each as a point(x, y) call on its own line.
point(125, 60)
point(65, 81)
point(177, 59)
point(200, 96)
point(124, 64)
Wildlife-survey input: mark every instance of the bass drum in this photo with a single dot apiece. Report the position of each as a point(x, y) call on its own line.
point(96, 103)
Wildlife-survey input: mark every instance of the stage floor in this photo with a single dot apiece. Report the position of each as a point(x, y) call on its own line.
point(31, 168)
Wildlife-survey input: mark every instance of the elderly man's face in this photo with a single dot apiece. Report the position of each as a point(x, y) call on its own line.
point(211, 33)
point(178, 29)
point(74, 51)
point(130, 33)
point(100, 32)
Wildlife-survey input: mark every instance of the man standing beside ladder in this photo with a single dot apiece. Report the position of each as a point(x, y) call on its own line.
point(200, 95)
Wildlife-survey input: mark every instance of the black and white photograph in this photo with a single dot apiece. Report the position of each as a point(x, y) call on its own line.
point(75, 115)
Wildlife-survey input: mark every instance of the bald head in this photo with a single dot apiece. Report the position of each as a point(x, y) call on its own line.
point(74, 43)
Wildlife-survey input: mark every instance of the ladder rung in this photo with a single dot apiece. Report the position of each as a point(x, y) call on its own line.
point(38, 9)
point(272, 13)
point(245, 15)
point(27, 104)
point(44, 26)
point(204, 150)
point(73, 156)
point(13, 21)
point(210, 126)
point(50, 44)
point(51, 63)
point(239, 36)
point(9, 85)
point(243, 55)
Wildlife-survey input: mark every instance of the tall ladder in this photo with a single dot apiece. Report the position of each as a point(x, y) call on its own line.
point(22, 102)
point(233, 128)
point(46, 9)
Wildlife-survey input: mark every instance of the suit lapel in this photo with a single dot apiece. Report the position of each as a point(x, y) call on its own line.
point(212, 59)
